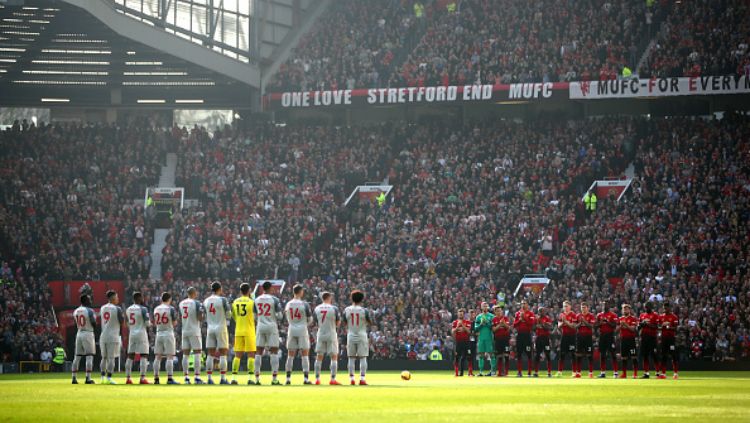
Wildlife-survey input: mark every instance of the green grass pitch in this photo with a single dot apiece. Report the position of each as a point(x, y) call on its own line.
point(429, 396)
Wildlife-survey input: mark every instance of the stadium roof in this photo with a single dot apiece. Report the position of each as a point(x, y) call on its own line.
point(52, 52)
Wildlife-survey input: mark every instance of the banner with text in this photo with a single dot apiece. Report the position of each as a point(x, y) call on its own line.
point(659, 87)
point(418, 95)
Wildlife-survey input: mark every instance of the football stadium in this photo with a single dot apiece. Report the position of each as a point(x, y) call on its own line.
point(364, 210)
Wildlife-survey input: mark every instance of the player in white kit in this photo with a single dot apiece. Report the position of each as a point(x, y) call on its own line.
point(299, 316)
point(138, 321)
point(192, 314)
point(165, 319)
point(85, 319)
point(327, 317)
point(218, 313)
point(109, 340)
point(357, 319)
point(268, 311)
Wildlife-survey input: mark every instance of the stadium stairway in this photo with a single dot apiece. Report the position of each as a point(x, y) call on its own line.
point(168, 172)
point(166, 180)
point(160, 240)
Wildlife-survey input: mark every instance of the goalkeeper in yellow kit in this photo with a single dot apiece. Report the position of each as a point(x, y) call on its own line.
point(244, 333)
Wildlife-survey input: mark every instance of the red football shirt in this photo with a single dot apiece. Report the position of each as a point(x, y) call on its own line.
point(604, 319)
point(588, 318)
point(541, 321)
point(572, 318)
point(462, 336)
point(672, 320)
point(524, 325)
point(502, 332)
point(632, 321)
point(648, 319)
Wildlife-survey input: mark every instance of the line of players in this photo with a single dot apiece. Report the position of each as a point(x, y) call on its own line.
point(217, 312)
point(488, 335)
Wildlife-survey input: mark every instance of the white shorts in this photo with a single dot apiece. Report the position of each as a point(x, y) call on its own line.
point(298, 341)
point(191, 342)
point(357, 347)
point(267, 337)
point(138, 344)
point(218, 339)
point(85, 344)
point(110, 349)
point(165, 345)
point(327, 345)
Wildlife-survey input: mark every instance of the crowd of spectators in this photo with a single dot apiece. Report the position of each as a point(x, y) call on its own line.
point(374, 44)
point(473, 209)
point(68, 212)
point(470, 208)
point(493, 42)
point(353, 45)
point(703, 38)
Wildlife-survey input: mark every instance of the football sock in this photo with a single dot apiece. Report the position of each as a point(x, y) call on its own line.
point(646, 363)
point(275, 364)
point(493, 364)
point(76, 363)
point(103, 366)
point(170, 367)
point(350, 366)
point(210, 365)
point(128, 367)
point(362, 367)
point(144, 366)
point(603, 364)
point(591, 364)
point(157, 365)
point(529, 365)
point(250, 365)
point(235, 365)
point(223, 365)
point(185, 364)
point(318, 366)
point(306, 366)
point(258, 365)
point(334, 368)
point(675, 365)
point(289, 365)
point(89, 366)
point(197, 363)
point(481, 365)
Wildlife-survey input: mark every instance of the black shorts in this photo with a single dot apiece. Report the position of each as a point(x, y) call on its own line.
point(462, 348)
point(627, 347)
point(648, 346)
point(567, 344)
point(542, 345)
point(584, 344)
point(502, 346)
point(606, 343)
point(668, 348)
point(523, 344)
point(472, 348)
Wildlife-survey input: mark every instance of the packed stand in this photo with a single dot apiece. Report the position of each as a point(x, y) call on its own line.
point(353, 45)
point(702, 38)
point(70, 208)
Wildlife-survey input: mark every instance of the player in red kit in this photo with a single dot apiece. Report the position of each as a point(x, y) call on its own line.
point(585, 339)
point(461, 330)
point(607, 323)
point(523, 323)
point(628, 332)
point(668, 322)
point(568, 324)
point(649, 326)
point(541, 345)
point(501, 331)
